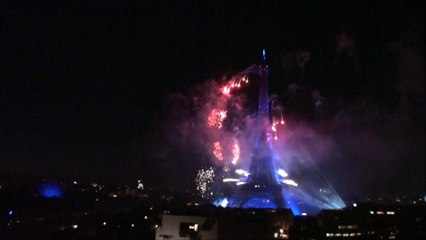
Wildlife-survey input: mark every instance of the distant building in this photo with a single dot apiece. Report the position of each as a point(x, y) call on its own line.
point(361, 222)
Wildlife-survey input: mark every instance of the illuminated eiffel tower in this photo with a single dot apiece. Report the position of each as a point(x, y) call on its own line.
point(262, 188)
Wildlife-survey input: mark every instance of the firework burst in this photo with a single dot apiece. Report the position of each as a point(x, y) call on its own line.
point(215, 118)
point(204, 180)
point(218, 151)
point(235, 153)
point(239, 79)
point(277, 117)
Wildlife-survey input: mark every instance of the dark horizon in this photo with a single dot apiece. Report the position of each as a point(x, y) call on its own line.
point(85, 85)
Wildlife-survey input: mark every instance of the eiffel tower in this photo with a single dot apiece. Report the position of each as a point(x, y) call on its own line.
point(262, 188)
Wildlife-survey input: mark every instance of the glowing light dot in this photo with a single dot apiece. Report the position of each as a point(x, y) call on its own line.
point(226, 90)
point(140, 185)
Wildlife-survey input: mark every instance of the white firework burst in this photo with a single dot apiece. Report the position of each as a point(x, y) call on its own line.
point(204, 180)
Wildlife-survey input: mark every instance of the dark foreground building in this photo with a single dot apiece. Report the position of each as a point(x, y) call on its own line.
point(227, 224)
point(365, 221)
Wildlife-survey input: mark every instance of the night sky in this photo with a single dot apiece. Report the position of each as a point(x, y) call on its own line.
point(82, 85)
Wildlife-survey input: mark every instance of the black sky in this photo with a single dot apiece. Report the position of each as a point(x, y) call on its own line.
point(82, 82)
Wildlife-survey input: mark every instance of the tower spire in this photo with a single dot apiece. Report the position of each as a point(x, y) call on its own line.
point(263, 135)
point(262, 182)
